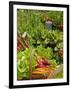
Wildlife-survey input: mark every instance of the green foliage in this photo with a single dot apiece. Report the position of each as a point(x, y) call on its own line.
point(53, 63)
point(45, 52)
point(23, 63)
point(31, 22)
point(56, 16)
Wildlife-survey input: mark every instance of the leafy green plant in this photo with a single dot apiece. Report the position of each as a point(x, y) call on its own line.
point(45, 52)
point(23, 63)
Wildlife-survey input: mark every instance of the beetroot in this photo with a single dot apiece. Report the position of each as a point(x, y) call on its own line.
point(41, 66)
point(42, 63)
point(46, 62)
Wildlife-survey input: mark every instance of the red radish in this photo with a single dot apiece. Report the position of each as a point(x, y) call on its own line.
point(45, 62)
point(42, 62)
point(40, 66)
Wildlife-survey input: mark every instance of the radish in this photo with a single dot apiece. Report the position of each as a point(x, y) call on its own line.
point(42, 62)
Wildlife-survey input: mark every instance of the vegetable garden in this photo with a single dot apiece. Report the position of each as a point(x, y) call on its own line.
point(39, 44)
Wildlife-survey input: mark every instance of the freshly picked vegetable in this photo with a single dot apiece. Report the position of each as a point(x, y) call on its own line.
point(42, 62)
point(23, 63)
